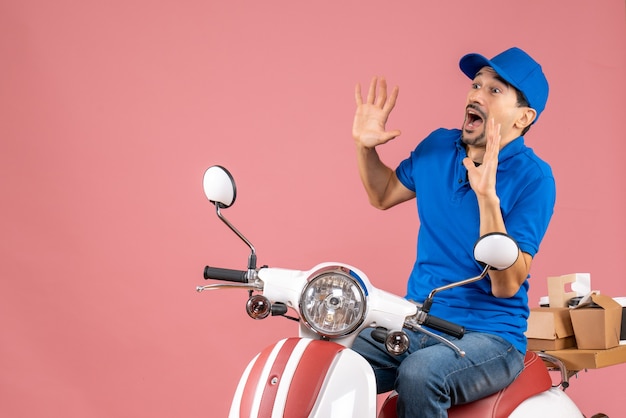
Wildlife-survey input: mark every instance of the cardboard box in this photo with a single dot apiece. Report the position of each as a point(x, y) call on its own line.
point(599, 326)
point(550, 329)
point(536, 344)
point(622, 334)
point(576, 359)
point(557, 294)
point(622, 302)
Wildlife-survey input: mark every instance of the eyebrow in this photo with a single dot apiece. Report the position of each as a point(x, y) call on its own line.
point(495, 76)
point(502, 80)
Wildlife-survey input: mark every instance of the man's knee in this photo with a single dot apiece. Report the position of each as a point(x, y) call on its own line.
point(418, 370)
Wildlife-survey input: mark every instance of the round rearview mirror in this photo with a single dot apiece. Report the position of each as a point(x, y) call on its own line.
point(497, 250)
point(219, 186)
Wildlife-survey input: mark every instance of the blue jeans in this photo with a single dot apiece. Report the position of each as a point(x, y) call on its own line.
point(430, 377)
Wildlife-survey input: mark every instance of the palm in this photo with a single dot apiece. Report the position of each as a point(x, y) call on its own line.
point(370, 118)
point(369, 125)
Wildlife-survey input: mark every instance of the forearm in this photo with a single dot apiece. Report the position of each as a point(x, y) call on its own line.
point(490, 214)
point(504, 283)
point(375, 175)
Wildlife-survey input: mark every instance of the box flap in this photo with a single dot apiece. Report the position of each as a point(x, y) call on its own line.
point(605, 302)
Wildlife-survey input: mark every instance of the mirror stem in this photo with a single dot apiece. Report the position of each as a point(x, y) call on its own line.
point(429, 301)
point(252, 257)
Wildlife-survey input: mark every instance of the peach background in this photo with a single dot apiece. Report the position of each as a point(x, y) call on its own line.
point(111, 111)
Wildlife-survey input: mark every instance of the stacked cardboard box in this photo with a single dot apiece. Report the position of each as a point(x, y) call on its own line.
point(550, 329)
point(597, 323)
point(585, 336)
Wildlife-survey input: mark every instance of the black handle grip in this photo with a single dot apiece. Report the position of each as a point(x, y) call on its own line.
point(230, 275)
point(442, 325)
point(380, 334)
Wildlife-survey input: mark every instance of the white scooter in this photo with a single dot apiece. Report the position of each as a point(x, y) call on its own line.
point(317, 374)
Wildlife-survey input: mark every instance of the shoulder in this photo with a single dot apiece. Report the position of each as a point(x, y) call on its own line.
point(441, 138)
point(537, 163)
point(445, 134)
point(518, 157)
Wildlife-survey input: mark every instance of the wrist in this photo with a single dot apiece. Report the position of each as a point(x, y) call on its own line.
point(489, 200)
point(362, 148)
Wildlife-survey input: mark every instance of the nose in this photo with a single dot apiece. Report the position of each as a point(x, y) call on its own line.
point(475, 96)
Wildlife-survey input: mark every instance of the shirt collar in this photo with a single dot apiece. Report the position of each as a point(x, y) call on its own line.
point(511, 149)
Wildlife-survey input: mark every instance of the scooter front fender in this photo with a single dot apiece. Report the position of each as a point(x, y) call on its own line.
point(306, 378)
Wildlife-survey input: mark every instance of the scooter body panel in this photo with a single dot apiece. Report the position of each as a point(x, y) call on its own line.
point(551, 403)
point(308, 378)
point(349, 389)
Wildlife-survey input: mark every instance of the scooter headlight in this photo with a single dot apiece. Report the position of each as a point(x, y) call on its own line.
point(333, 303)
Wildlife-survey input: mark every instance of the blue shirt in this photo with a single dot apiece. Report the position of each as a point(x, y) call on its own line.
point(449, 227)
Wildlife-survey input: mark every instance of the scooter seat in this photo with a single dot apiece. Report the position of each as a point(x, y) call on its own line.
point(533, 380)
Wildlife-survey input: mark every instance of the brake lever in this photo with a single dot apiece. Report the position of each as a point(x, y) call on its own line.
point(247, 286)
point(415, 326)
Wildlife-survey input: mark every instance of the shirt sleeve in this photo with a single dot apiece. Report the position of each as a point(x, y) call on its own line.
point(405, 170)
point(528, 219)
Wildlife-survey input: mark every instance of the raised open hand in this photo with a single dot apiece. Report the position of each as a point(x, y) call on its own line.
point(371, 116)
point(483, 178)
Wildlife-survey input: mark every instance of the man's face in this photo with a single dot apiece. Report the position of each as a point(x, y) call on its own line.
point(489, 97)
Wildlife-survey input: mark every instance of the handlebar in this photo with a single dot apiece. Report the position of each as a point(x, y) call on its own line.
point(230, 275)
point(399, 345)
point(442, 325)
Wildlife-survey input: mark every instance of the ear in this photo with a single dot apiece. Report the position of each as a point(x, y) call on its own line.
point(526, 118)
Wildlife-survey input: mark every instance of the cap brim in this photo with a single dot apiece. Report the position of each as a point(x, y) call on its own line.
point(470, 64)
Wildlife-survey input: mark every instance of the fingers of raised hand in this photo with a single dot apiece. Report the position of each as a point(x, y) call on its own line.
point(357, 95)
point(371, 93)
point(377, 93)
point(493, 136)
point(381, 98)
point(391, 102)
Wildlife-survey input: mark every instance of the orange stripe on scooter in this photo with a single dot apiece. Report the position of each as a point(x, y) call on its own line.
point(269, 392)
point(309, 377)
point(247, 398)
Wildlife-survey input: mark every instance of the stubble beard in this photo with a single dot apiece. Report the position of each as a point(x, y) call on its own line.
point(479, 140)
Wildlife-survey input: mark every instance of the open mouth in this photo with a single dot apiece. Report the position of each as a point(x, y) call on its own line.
point(474, 118)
